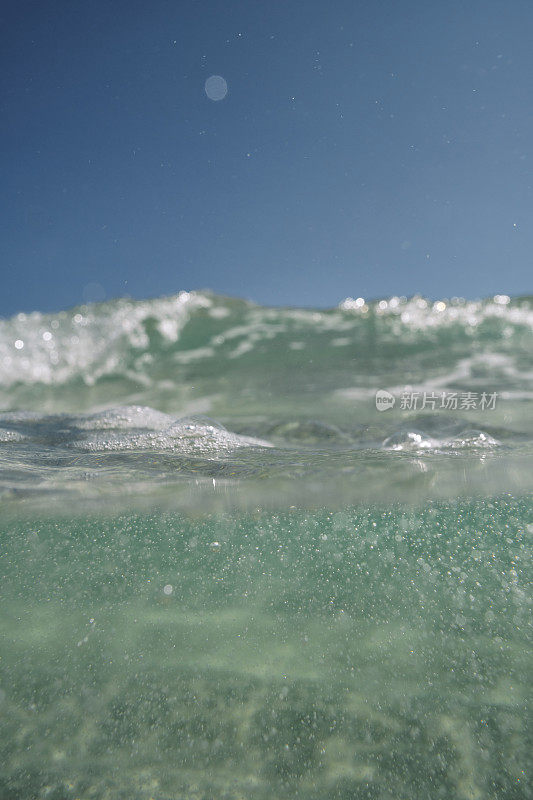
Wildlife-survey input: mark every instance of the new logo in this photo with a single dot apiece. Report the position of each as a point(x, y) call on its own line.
point(384, 400)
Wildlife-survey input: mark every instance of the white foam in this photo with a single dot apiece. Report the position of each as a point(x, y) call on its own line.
point(142, 428)
point(89, 341)
point(409, 440)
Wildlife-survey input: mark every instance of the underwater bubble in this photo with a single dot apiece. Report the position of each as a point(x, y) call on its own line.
point(409, 440)
point(125, 418)
point(201, 433)
point(473, 438)
point(200, 420)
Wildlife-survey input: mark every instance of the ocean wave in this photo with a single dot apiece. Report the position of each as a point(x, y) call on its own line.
point(148, 342)
point(112, 395)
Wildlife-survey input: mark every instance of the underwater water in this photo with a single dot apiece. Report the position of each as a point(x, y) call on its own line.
point(226, 573)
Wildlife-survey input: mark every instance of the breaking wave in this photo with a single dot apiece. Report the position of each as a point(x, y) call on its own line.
point(203, 388)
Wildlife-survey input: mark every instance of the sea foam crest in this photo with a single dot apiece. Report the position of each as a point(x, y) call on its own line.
point(154, 346)
point(420, 313)
point(89, 341)
point(415, 440)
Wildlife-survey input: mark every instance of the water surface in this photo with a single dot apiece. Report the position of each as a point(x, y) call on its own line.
point(226, 574)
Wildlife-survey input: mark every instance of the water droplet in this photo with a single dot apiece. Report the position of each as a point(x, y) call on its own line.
point(216, 87)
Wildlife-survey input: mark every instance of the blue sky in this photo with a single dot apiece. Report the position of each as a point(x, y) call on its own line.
point(363, 148)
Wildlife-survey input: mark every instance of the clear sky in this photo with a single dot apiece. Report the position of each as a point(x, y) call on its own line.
point(363, 148)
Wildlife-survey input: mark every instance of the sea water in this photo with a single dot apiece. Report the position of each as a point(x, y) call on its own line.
point(227, 573)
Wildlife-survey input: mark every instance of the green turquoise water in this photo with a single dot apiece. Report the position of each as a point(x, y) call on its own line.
point(306, 598)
